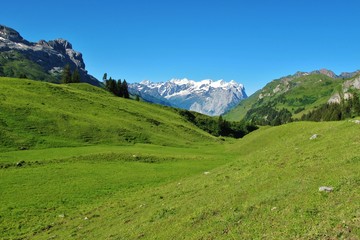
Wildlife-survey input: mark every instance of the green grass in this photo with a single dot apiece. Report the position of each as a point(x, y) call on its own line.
point(178, 185)
point(43, 115)
point(305, 92)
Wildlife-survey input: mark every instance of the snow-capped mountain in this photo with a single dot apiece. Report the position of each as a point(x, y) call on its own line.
point(207, 96)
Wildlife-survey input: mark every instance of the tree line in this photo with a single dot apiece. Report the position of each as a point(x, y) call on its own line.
point(69, 76)
point(218, 126)
point(117, 87)
point(268, 115)
point(335, 111)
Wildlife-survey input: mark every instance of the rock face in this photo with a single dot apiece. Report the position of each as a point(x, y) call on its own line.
point(52, 56)
point(347, 87)
point(208, 97)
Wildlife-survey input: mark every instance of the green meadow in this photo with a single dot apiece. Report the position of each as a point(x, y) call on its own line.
point(79, 163)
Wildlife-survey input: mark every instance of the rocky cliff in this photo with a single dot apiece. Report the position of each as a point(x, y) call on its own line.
point(51, 56)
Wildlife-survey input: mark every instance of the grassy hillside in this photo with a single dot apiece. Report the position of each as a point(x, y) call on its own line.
point(262, 186)
point(296, 94)
point(41, 115)
point(101, 167)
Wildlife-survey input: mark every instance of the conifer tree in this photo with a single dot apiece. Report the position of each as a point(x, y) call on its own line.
point(112, 86)
point(66, 74)
point(125, 89)
point(105, 77)
point(119, 89)
point(75, 77)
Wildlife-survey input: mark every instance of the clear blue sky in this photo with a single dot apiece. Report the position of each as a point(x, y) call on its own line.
point(251, 42)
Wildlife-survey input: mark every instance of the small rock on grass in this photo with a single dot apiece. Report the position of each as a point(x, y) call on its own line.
point(326, 189)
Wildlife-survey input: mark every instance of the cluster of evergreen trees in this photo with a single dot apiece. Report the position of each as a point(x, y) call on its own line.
point(70, 77)
point(117, 87)
point(218, 126)
point(334, 111)
point(268, 115)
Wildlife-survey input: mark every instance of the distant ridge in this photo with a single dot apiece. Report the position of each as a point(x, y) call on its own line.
point(207, 96)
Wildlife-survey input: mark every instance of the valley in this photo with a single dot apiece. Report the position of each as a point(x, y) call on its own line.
point(77, 162)
point(84, 159)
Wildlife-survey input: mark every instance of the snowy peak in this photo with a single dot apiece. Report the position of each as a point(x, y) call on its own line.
point(206, 96)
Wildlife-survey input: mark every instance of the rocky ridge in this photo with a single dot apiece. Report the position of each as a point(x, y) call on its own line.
point(286, 83)
point(52, 56)
point(207, 96)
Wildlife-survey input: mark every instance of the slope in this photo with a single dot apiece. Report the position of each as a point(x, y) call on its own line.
point(41, 115)
point(266, 187)
point(294, 95)
point(269, 191)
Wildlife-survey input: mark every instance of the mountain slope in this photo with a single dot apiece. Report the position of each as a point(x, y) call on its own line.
point(295, 95)
point(18, 57)
point(208, 97)
point(40, 115)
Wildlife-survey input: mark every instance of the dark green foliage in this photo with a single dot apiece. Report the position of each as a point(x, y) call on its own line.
point(75, 77)
point(125, 89)
point(66, 74)
point(300, 109)
point(118, 88)
point(268, 115)
point(218, 127)
point(335, 112)
point(70, 77)
point(22, 75)
point(137, 98)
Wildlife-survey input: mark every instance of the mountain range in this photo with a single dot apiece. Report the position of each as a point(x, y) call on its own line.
point(281, 100)
point(209, 97)
point(41, 60)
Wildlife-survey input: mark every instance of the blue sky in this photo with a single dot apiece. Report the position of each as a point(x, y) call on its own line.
point(251, 42)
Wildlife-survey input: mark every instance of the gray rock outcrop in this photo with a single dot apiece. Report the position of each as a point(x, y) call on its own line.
point(52, 56)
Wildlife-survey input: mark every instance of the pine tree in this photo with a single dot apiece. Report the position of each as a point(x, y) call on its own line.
point(112, 86)
point(119, 89)
point(66, 74)
point(105, 77)
point(75, 77)
point(125, 89)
